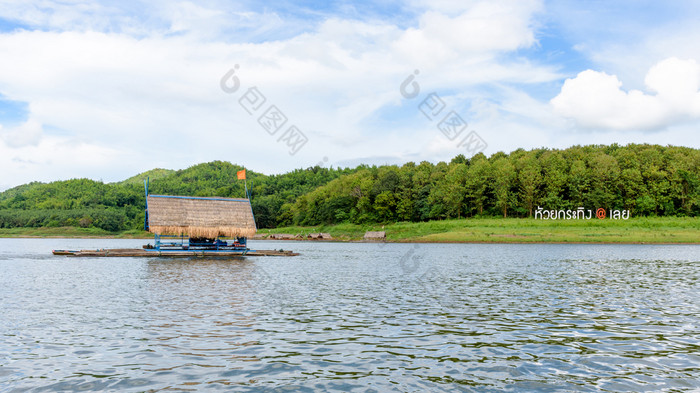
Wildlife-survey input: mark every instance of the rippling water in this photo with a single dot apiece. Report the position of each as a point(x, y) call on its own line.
point(352, 317)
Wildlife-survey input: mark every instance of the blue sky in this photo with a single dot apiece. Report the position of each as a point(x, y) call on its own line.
point(103, 90)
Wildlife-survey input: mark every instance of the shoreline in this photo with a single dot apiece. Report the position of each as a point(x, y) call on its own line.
point(642, 230)
point(402, 241)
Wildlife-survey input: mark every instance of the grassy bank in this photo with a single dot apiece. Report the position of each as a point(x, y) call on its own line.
point(474, 230)
point(71, 232)
point(498, 230)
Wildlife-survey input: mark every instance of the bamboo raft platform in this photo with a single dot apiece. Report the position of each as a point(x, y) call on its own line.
point(187, 226)
point(135, 252)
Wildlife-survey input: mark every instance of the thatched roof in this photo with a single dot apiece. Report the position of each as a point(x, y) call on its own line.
point(200, 217)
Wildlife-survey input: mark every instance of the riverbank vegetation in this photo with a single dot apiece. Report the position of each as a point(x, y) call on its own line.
point(467, 230)
point(647, 180)
point(525, 230)
point(72, 232)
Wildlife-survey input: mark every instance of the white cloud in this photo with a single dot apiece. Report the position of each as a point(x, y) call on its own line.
point(26, 134)
point(59, 158)
point(481, 30)
point(596, 100)
point(115, 89)
point(152, 97)
point(48, 14)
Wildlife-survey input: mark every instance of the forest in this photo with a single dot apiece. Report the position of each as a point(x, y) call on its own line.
point(647, 180)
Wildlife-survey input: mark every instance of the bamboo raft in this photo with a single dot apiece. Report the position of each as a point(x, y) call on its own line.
point(135, 252)
point(186, 226)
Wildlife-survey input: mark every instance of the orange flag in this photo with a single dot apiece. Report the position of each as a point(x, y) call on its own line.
point(241, 175)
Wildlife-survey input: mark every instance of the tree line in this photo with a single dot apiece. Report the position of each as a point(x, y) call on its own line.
point(645, 179)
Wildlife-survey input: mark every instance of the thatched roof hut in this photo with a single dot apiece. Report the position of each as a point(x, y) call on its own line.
point(200, 217)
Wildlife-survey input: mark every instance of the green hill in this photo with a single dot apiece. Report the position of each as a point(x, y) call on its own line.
point(119, 206)
point(647, 180)
point(153, 174)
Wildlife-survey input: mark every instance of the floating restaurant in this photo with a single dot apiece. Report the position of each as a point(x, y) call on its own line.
point(193, 226)
point(181, 223)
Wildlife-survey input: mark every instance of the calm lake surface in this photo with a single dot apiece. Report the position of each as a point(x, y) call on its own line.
point(352, 317)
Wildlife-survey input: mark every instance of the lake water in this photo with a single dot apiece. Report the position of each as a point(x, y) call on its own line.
point(352, 317)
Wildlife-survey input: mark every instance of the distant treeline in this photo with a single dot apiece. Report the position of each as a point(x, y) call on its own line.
point(648, 180)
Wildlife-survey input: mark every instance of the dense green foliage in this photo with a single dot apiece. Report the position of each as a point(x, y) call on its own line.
point(119, 206)
point(649, 180)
